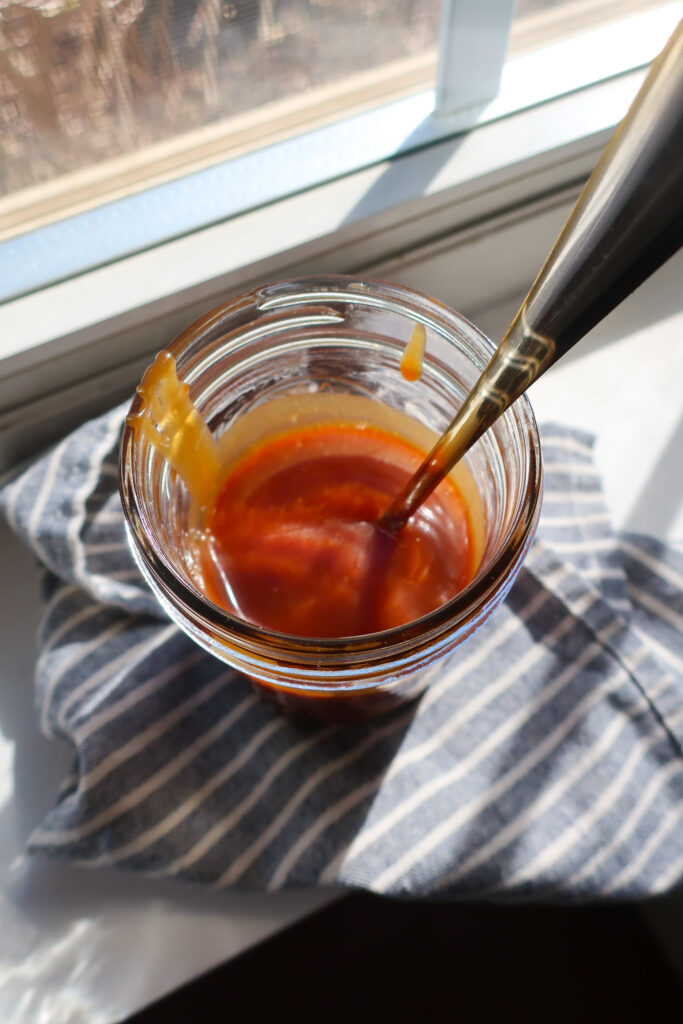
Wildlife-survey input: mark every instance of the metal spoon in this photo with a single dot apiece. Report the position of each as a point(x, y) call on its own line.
point(627, 221)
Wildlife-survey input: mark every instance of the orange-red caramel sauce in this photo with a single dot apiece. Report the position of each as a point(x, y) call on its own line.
point(291, 540)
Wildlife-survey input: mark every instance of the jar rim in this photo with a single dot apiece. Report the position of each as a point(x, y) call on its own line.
point(426, 628)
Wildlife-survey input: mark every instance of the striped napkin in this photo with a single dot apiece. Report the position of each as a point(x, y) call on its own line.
point(544, 761)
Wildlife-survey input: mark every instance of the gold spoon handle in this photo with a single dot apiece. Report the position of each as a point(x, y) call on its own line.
point(627, 221)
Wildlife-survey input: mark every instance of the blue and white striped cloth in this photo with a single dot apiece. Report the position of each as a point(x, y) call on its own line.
point(544, 762)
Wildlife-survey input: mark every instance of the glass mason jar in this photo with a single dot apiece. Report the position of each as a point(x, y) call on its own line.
point(343, 337)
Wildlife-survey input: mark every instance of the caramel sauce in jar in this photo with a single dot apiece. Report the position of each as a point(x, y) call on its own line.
point(258, 534)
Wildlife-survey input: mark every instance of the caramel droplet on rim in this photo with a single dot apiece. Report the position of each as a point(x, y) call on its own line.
point(169, 421)
point(413, 357)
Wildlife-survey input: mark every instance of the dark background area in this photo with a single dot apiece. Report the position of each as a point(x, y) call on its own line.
point(371, 959)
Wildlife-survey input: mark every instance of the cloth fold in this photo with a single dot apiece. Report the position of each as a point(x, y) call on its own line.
point(545, 761)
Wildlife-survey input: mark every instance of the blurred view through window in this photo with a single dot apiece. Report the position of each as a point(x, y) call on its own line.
point(85, 80)
point(102, 96)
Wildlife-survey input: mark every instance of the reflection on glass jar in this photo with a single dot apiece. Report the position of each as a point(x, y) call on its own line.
point(324, 350)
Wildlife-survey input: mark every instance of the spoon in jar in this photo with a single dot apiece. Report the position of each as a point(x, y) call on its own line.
point(627, 221)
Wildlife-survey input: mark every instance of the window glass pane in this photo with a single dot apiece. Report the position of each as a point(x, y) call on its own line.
point(185, 81)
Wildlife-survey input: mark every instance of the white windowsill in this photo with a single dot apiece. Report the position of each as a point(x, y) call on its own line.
point(54, 916)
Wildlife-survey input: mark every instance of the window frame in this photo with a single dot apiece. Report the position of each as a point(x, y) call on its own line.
point(69, 349)
point(466, 97)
